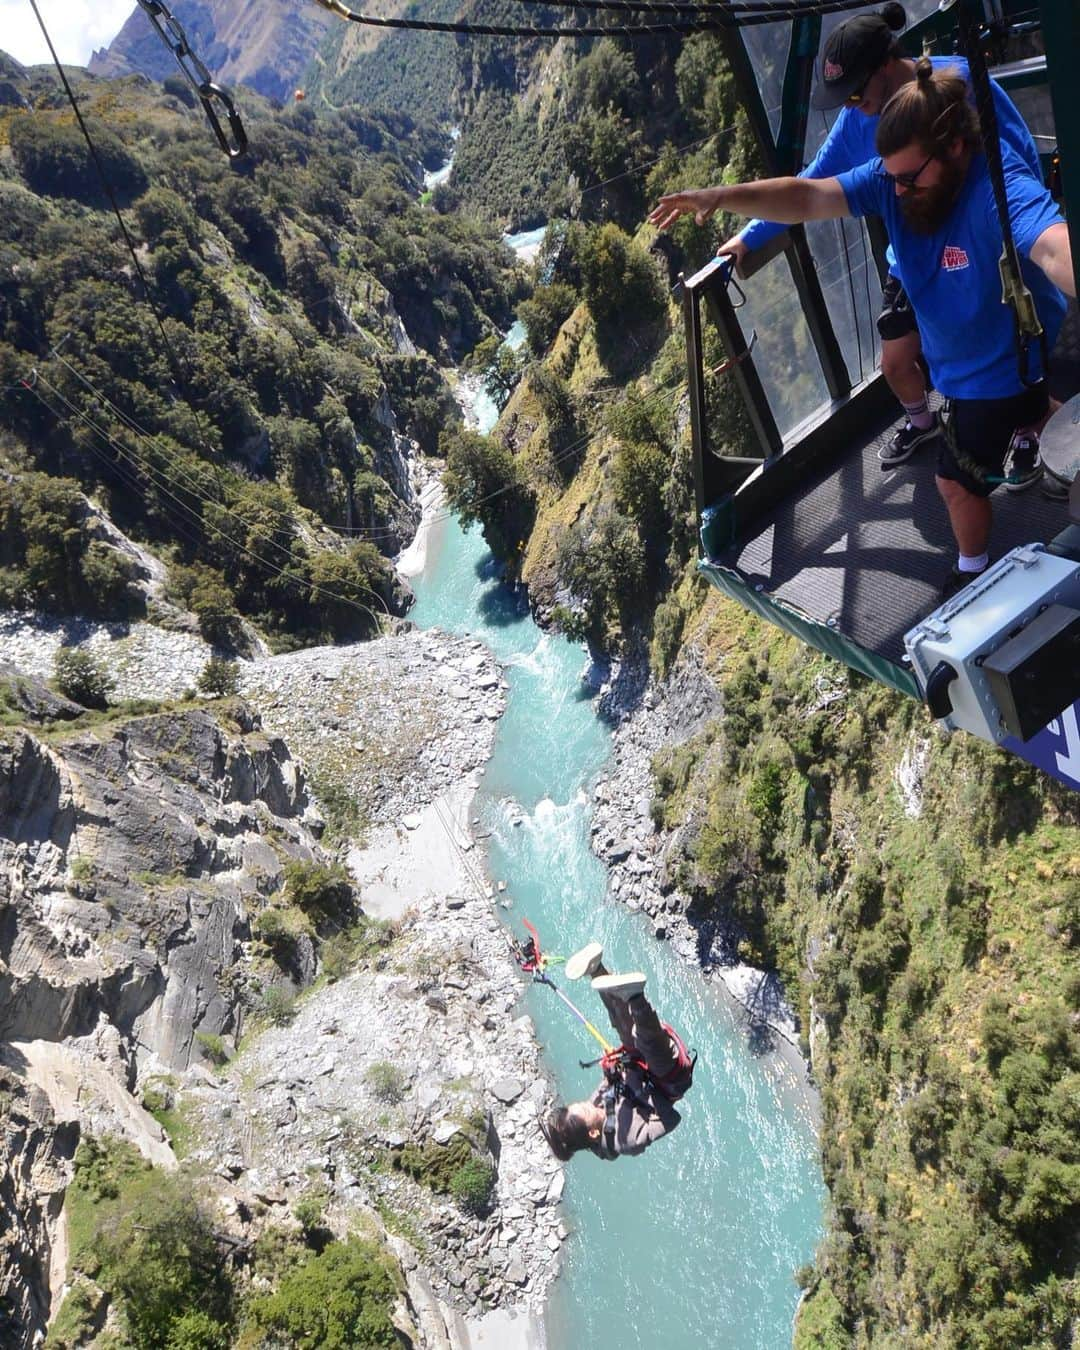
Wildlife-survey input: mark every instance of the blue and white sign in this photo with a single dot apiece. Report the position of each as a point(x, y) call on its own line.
point(1055, 749)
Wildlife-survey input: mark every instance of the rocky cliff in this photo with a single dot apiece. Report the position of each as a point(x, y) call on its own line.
point(140, 858)
point(266, 44)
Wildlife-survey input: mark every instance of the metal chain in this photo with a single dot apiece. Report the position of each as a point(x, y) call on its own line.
point(198, 76)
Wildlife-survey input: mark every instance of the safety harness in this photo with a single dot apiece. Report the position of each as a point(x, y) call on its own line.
point(1014, 292)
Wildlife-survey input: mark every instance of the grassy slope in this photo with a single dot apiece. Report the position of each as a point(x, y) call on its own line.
point(949, 1136)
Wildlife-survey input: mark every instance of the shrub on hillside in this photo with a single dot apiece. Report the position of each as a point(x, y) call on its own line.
point(386, 1081)
point(48, 557)
point(108, 575)
point(668, 621)
point(342, 1297)
point(78, 676)
point(322, 893)
point(348, 590)
point(619, 282)
point(144, 1238)
point(180, 89)
point(205, 592)
point(219, 678)
point(54, 160)
point(601, 561)
point(472, 1185)
point(485, 486)
point(545, 313)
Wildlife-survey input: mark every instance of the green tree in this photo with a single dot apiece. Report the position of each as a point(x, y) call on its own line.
point(601, 561)
point(80, 677)
point(218, 678)
point(620, 285)
point(544, 313)
point(341, 1299)
point(321, 892)
point(485, 486)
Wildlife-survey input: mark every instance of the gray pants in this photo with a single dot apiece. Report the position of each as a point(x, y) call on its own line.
point(638, 1028)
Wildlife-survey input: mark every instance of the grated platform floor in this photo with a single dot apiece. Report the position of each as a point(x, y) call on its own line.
point(866, 552)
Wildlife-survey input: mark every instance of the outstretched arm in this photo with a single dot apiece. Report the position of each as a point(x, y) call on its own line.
point(1052, 251)
point(788, 200)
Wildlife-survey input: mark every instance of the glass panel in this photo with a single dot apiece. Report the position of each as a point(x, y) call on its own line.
point(767, 46)
point(849, 282)
point(784, 354)
point(1035, 109)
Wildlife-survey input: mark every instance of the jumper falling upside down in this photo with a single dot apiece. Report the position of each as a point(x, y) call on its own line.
point(931, 186)
point(634, 1105)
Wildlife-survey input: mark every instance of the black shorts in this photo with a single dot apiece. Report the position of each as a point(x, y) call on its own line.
point(978, 433)
point(897, 318)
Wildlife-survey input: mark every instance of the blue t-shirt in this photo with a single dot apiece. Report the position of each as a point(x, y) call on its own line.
point(850, 142)
point(952, 279)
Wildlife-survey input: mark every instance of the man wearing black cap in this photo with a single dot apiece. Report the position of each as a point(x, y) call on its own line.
point(862, 66)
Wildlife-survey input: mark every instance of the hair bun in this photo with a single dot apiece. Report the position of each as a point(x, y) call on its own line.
point(894, 16)
point(924, 70)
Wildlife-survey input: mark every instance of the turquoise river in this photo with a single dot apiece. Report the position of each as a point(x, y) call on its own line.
point(694, 1245)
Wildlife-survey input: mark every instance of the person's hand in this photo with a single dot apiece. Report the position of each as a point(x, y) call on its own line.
point(734, 248)
point(701, 201)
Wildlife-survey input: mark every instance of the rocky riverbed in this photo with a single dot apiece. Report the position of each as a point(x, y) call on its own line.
point(397, 730)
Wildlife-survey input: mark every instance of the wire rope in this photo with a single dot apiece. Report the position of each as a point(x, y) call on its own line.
point(139, 430)
point(720, 17)
point(189, 483)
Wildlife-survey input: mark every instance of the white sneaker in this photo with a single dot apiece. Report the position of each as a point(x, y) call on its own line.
point(584, 962)
point(621, 986)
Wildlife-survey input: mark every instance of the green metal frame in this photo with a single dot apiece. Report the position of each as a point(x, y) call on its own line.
point(817, 635)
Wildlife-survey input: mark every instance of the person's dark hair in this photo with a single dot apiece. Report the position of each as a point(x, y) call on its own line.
point(932, 111)
point(566, 1134)
point(896, 21)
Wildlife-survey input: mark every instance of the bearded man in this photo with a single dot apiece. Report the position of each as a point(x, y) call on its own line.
point(931, 186)
point(862, 67)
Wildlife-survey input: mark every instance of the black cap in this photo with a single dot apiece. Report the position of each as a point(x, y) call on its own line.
point(853, 52)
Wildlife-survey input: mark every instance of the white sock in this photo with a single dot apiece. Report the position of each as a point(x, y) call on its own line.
point(979, 564)
point(919, 414)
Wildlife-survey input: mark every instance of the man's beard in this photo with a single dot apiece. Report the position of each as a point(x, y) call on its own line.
point(927, 210)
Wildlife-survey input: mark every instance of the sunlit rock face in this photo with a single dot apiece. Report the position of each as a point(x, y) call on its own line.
point(265, 44)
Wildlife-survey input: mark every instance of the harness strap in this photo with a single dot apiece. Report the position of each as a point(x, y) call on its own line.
point(611, 1096)
point(1014, 291)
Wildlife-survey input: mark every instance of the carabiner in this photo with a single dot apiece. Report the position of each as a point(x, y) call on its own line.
point(198, 76)
point(239, 145)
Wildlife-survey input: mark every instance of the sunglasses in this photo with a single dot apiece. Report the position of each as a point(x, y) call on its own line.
point(908, 180)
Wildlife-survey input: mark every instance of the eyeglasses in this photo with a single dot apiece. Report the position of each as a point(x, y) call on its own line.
point(908, 180)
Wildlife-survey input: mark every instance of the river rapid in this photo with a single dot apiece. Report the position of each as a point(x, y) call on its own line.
point(694, 1244)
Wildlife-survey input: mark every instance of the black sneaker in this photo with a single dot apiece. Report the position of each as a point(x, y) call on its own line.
point(1025, 466)
point(905, 442)
point(956, 580)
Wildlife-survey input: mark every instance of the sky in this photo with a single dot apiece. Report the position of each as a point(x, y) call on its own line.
point(77, 27)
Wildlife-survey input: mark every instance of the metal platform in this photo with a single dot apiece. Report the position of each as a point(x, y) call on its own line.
point(864, 552)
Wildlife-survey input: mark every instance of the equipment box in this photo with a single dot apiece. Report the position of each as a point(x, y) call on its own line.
point(1001, 658)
